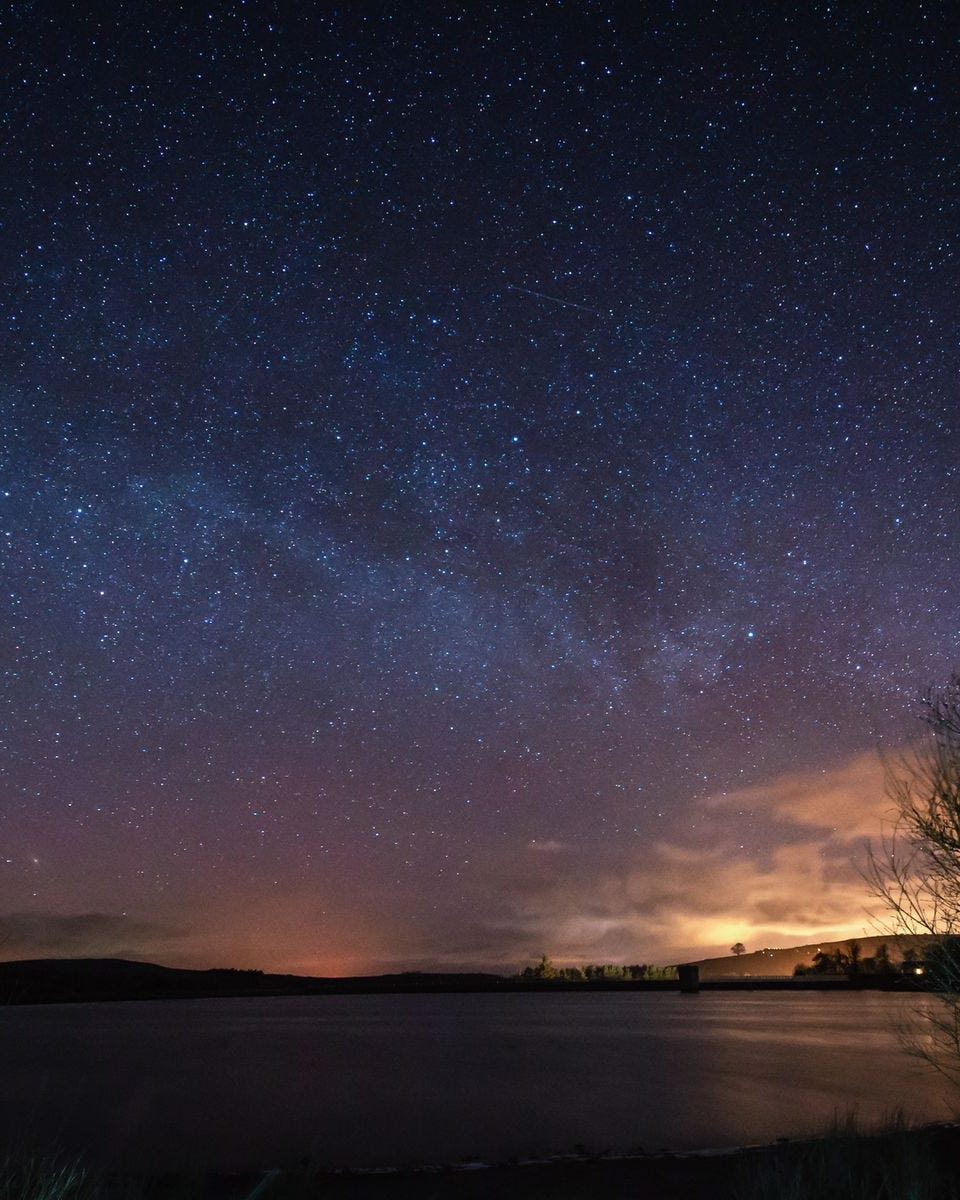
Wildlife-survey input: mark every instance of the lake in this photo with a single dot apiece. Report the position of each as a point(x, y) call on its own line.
point(410, 1080)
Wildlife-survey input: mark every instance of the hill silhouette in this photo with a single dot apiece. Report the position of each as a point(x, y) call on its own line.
point(65, 980)
point(62, 980)
point(779, 962)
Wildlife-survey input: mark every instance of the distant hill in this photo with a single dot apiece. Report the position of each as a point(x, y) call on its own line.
point(780, 961)
point(62, 980)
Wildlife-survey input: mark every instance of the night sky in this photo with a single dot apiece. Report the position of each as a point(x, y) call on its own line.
point(475, 481)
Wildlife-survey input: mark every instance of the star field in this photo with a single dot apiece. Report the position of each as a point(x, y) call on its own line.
point(445, 451)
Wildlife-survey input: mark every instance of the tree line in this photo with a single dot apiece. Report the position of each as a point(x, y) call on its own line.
point(545, 969)
point(851, 961)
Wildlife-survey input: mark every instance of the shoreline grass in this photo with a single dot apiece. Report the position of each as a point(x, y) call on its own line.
point(846, 1162)
point(896, 1162)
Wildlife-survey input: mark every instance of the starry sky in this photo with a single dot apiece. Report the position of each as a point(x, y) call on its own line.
point(474, 480)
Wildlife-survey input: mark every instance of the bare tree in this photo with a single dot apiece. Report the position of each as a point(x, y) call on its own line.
point(915, 871)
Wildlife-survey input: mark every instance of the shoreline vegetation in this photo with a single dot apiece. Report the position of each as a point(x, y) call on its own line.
point(893, 965)
point(845, 1163)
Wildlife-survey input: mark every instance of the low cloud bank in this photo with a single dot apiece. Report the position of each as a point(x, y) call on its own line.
point(776, 864)
point(81, 935)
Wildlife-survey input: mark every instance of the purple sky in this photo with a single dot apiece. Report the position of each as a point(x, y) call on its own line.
point(475, 482)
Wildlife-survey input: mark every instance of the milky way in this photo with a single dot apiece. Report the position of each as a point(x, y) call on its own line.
point(453, 461)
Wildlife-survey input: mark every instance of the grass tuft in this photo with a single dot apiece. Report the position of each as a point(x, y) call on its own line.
point(29, 1177)
point(846, 1163)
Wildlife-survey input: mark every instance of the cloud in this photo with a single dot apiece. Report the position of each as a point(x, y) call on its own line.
point(849, 801)
point(81, 935)
point(786, 874)
point(668, 904)
point(681, 902)
point(774, 864)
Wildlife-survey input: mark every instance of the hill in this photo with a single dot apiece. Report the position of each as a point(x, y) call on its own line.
point(781, 961)
point(63, 980)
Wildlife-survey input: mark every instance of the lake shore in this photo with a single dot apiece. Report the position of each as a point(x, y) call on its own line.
point(923, 1162)
point(666, 1177)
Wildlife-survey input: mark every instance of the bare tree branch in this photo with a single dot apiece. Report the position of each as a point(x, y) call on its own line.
point(915, 869)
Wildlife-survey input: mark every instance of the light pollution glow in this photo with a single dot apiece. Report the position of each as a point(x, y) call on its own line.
point(677, 901)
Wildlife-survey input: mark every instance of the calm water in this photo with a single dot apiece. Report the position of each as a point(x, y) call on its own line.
point(383, 1080)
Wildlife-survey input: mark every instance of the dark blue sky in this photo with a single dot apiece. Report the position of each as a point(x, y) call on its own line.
point(444, 454)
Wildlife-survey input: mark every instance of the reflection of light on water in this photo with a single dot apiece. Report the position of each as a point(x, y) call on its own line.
point(378, 1080)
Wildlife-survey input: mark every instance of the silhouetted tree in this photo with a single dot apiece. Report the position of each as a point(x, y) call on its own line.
point(916, 870)
point(661, 973)
point(826, 962)
point(881, 960)
point(738, 948)
point(544, 969)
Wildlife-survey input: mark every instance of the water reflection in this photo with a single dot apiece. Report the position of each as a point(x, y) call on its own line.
point(380, 1080)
